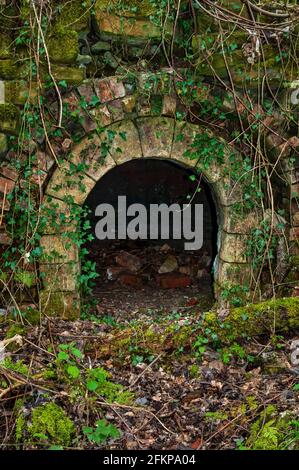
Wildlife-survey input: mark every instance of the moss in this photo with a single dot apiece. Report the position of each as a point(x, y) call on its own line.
point(9, 118)
point(63, 46)
point(20, 427)
point(8, 112)
point(129, 8)
point(3, 144)
point(271, 431)
point(5, 42)
point(72, 75)
point(60, 304)
point(19, 367)
point(48, 421)
point(13, 330)
point(8, 69)
point(75, 14)
point(32, 316)
point(256, 319)
point(294, 260)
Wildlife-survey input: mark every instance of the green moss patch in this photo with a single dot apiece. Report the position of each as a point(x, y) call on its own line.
point(271, 316)
point(63, 46)
point(49, 424)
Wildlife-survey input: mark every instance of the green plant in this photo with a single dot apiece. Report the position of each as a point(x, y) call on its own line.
point(273, 432)
point(102, 431)
point(97, 381)
point(49, 425)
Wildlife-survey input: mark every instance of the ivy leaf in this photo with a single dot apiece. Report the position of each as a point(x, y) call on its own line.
point(62, 83)
point(94, 100)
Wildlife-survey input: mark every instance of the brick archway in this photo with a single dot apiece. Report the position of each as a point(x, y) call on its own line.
point(147, 137)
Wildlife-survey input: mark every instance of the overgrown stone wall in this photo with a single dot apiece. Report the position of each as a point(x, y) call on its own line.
point(112, 75)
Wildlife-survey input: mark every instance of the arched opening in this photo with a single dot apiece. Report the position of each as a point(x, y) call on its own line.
point(135, 143)
point(161, 271)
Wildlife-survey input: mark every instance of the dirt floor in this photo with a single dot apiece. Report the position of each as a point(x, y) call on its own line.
point(137, 279)
point(183, 394)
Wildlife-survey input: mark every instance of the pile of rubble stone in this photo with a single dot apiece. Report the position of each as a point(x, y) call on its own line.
point(160, 266)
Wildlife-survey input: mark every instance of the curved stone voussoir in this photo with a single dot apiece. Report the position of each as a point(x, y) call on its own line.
point(156, 135)
point(122, 141)
point(184, 135)
point(67, 183)
point(92, 152)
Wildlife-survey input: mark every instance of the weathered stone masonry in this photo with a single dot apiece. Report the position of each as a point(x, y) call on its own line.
point(135, 106)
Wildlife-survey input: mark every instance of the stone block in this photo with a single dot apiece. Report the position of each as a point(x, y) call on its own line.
point(58, 249)
point(62, 277)
point(232, 222)
point(60, 304)
point(233, 273)
point(65, 183)
point(72, 75)
point(156, 135)
point(122, 141)
point(233, 248)
point(113, 24)
point(169, 105)
point(90, 152)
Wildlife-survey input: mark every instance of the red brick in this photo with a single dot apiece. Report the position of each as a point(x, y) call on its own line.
point(9, 173)
point(6, 186)
point(87, 92)
point(117, 88)
point(131, 280)
point(4, 239)
point(173, 280)
point(6, 204)
point(103, 91)
point(294, 234)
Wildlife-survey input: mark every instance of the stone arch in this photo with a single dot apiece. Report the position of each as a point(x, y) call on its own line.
point(145, 137)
